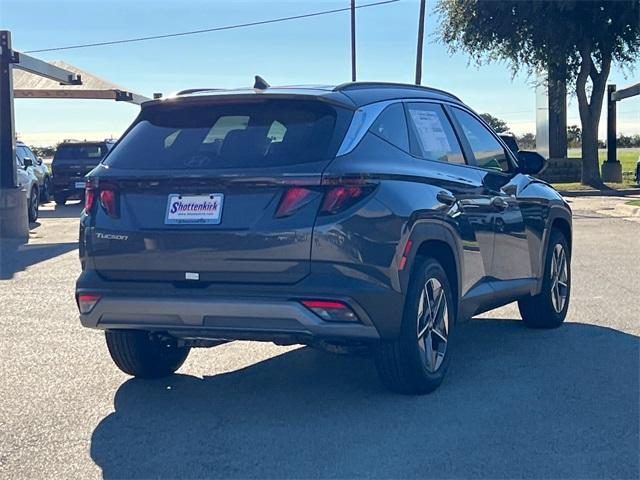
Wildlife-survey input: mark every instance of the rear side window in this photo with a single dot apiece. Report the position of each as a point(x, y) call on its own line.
point(232, 135)
point(391, 125)
point(80, 151)
point(434, 135)
point(487, 150)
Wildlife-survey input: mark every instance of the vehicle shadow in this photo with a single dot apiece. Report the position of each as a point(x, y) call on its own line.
point(516, 403)
point(16, 257)
point(70, 210)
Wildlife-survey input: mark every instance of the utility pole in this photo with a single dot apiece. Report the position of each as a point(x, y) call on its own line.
point(420, 41)
point(353, 40)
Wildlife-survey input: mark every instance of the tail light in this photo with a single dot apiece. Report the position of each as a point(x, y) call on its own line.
point(86, 301)
point(294, 199)
point(107, 196)
point(339, 194)
point(331, 310)
point(108, 200)
point(339, 198)
point(89, 196)
point(343, 192)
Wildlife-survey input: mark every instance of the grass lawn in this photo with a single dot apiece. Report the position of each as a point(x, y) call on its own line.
point(635, 203)
point(579, 186)
point(627, 156)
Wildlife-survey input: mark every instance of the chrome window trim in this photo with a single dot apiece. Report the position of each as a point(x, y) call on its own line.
point(361, 122)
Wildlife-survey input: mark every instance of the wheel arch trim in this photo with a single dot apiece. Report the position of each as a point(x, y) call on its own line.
point(432, 230)
point(557, 213)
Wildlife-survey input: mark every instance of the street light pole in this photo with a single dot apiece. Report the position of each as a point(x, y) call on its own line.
point(420, 41)
point(353, 40)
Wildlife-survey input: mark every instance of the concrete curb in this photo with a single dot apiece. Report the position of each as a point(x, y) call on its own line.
point(628, 210)
point(600, 193)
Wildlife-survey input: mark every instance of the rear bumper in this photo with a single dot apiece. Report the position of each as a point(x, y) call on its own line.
point(67, 184)
point(246, 311)
point(224, 319)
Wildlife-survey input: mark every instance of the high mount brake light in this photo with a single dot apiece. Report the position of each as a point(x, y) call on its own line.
point(331, 310)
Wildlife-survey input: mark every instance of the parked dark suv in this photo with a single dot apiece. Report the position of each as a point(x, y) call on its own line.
point(71, 162)
point(376, 215)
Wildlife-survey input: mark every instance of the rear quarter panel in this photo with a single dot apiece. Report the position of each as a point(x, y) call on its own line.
point(368, 240)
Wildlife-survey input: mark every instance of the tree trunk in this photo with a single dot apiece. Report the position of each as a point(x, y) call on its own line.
point(590, 163)
point(590, 110)
point(557, 87)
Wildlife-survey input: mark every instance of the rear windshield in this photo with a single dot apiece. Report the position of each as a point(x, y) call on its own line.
point(266, 133)
point(81, 151)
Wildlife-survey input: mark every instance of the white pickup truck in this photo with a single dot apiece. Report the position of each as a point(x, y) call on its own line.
point(28, 182)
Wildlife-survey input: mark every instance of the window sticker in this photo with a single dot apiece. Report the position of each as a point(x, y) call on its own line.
point(430, 131)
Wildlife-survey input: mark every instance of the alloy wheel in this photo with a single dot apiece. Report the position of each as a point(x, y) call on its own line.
point(559, 278)
point(433, 324)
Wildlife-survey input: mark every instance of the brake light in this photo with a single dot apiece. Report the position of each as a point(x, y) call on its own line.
point(108, 200)
point(294, 199)
point(86, 301)
point(89, 196)
point(331, 310)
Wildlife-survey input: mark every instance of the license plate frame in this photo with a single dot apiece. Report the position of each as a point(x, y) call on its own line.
point(194, 209)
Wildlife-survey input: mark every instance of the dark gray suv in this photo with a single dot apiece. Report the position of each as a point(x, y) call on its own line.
point(364, 215)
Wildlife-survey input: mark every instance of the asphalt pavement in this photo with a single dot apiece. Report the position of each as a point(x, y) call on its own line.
point(516, 402)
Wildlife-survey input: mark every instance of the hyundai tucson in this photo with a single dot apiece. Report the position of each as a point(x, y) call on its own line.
point(366, 215)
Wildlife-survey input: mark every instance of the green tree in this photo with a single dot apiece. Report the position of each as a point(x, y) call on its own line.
point(574, 136)
point(574, 39)
point(527, 141)
point(494, 122)
point(44, 152)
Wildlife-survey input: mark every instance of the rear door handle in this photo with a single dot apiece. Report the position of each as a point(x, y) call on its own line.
point(446, 198)
point(499, 203)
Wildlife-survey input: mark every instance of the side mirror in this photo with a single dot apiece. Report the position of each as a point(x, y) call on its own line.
point(510, 141)
point(27, 162)
point(530, 162)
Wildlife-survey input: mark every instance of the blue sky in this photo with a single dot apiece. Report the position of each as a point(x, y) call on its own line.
point(312, 50)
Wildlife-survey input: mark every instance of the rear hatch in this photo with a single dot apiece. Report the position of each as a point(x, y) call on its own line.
point(214, 192)
point(72, 161)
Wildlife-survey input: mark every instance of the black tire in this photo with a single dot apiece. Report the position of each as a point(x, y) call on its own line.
point(60, 199)
point(402, 363)
point(45, 193)
point(541, 311)
point(140, 354)
point(34, 204)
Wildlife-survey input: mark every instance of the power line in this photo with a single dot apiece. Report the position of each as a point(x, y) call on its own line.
point(208, 30)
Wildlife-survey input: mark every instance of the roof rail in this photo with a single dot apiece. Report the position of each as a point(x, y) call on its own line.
point(355, 85)
point(196, 90)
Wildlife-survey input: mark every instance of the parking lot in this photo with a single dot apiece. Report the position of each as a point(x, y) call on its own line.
point(516, 402)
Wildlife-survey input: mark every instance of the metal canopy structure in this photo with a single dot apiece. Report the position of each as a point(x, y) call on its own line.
point(23, 76)
point(28, 84)
point(612, 168)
